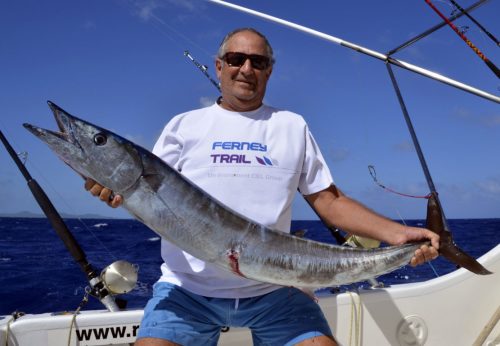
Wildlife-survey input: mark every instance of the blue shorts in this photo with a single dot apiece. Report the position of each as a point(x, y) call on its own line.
point(283, 317)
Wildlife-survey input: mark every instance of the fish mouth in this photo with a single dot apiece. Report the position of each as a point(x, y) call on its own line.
point(63, 122)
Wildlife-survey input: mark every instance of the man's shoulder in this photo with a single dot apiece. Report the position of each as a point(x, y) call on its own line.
point(284, 115)
point(191, 115)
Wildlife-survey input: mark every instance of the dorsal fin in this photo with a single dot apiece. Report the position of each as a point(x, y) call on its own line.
point(447, 247)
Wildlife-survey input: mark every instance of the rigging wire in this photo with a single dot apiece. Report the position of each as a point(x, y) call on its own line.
point(476, 50)
point(373, 173)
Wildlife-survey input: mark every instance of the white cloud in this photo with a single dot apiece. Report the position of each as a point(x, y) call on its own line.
point(486, 120)
point(339, 154)
point(405, 146)
point(146, 9)
point(490, 186)
point(89, 25)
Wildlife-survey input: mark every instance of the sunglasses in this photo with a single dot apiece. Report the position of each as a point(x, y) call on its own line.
point(258, 62)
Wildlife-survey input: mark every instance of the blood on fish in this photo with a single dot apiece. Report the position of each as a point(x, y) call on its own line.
point(233, 262)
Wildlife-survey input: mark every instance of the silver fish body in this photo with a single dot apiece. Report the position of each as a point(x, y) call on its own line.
point(179, 211)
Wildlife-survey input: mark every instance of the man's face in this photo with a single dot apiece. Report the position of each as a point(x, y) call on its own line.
point(243, 87)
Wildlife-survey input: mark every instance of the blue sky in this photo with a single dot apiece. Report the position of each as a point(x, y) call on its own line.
point(120, 64)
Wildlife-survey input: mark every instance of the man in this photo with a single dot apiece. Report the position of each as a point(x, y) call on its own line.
point(251, 157)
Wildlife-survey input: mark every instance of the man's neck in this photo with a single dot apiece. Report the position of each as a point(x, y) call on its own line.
point(237, 106)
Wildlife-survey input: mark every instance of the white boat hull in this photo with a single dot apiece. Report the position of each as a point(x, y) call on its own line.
point(455, 309)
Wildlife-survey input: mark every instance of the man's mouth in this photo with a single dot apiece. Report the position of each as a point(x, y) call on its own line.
point(245, 82)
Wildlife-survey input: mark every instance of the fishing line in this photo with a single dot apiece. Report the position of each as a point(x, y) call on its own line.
point(158, 23)
point(72, 210)
point(21, 165)
point(490, 64)
point(428, 262)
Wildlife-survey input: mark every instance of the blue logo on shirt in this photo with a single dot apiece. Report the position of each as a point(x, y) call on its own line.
point(240, 158)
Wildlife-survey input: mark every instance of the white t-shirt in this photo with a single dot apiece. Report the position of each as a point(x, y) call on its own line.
point(253, 162)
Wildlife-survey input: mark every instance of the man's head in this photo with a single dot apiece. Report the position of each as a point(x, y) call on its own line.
point(244, 65)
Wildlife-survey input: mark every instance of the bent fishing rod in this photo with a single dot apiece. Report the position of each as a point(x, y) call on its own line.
point(369, 52)
point(436, 27)
point(466, 13)
point(476, 50)
point(58, 224)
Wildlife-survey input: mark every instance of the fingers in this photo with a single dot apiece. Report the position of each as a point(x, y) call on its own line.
point(116, 201)
point(424, 254)
point(104, 194)
point(433, 237)
point(89, 182)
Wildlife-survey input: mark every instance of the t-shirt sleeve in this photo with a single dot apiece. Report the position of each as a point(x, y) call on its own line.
point(315, 175)
point(169, 145)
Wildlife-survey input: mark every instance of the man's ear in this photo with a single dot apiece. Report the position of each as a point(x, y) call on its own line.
point(218, 67)
point(269, 72)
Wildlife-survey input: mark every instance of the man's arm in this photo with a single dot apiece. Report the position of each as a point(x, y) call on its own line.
point(337, 209)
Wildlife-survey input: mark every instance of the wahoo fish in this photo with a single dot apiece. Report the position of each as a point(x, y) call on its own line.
point(179, 211)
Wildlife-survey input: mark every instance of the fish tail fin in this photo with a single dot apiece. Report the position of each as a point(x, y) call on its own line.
point(447, 247)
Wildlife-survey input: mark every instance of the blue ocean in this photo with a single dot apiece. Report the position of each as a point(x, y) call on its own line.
point(37, 274)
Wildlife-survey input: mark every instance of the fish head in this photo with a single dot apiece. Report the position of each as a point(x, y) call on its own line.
point(92, 151)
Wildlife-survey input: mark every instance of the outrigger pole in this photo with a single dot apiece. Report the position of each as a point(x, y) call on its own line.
point(372, 53)
point(436, 220)
point(63, 232)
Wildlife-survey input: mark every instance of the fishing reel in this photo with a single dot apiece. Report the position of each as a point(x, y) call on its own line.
point(119, 277)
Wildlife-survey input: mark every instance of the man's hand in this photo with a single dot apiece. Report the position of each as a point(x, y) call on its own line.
point(106, 195)
point(426, 252)
point(335, 208)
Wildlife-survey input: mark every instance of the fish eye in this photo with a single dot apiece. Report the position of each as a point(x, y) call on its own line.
point(100, 139)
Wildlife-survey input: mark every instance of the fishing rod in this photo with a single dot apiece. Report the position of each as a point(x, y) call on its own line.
point(203, 69)
point(465, 12)
point(58, 224)
point(436, 27)
point(463, 37)
point(360, 49)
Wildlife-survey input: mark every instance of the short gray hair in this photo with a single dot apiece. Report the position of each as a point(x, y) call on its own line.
point(222, 47)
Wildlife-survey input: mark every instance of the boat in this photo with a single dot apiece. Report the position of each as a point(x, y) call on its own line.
point(459, 308)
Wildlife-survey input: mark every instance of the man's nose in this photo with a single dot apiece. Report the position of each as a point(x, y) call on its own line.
point(247, 66)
